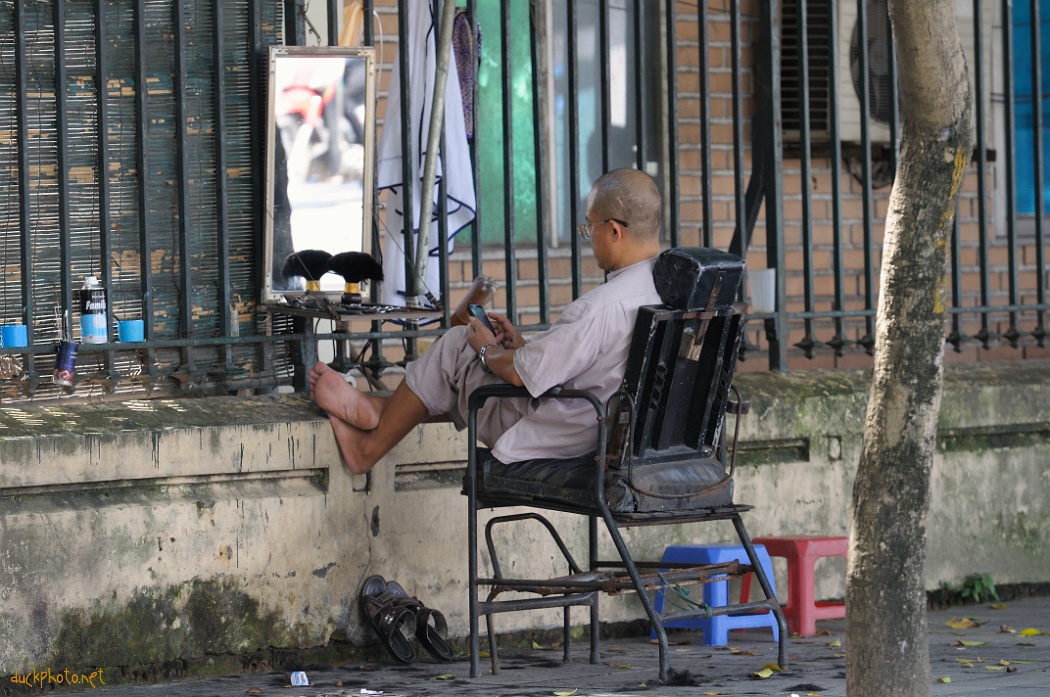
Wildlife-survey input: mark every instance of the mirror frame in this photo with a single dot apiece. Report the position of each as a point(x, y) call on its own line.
point(367, 53)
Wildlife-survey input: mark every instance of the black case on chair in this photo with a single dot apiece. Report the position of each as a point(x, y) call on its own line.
point(685, 277)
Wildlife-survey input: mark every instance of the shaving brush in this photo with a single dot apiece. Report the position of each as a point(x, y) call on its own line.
point(310, 264)
point(355, 267)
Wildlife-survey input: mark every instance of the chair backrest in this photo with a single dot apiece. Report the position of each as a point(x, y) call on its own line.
point(672, 401)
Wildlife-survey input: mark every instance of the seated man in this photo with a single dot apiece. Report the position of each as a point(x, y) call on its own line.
point(586, 349)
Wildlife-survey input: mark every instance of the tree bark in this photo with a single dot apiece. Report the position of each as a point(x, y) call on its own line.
point(887, 641)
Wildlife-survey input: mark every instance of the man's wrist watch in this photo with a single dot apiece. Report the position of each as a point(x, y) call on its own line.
point(481, 356)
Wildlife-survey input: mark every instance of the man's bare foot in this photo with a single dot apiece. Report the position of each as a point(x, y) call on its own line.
point(349, 440)
point(340, 399)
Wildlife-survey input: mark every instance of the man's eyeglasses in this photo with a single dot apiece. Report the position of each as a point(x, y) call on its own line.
point(586, 229)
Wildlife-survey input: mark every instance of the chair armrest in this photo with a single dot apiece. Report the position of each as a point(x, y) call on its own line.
point(502, 391)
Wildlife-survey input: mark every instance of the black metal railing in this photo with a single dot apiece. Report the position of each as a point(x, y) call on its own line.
point(134, 152)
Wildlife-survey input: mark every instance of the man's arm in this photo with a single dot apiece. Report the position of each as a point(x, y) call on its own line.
point(499, 357)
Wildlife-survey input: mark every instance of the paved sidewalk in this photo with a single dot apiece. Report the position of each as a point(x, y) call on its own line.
point(1007, 664)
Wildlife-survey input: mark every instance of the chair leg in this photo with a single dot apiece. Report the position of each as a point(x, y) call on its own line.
point(565, 636)
point(767, 589)
point(493, 648)
point(636, 579)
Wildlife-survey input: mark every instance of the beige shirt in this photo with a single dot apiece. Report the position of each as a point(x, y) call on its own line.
point(586, 349)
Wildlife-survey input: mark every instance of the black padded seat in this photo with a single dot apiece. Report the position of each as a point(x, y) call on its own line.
point(662, 486)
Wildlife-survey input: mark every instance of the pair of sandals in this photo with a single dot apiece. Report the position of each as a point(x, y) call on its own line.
point(396, 617)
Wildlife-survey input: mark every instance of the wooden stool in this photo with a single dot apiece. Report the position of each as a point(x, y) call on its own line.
point(802, 610)
point(716, 593)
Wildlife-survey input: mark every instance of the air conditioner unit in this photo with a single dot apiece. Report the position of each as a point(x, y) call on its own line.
point(847, 79)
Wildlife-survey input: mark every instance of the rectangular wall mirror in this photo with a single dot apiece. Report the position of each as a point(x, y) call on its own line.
point(319, 159)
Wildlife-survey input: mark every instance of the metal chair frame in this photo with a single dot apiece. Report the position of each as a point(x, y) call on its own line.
point(582, 586)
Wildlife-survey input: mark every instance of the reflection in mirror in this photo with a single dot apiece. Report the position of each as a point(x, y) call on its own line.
point(319, 161)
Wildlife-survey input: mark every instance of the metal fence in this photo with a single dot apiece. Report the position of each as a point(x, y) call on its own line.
point(134, 144)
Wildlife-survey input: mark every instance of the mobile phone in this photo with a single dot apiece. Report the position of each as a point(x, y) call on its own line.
point(479, 312)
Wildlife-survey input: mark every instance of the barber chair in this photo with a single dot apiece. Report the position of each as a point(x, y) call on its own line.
point(660, 459)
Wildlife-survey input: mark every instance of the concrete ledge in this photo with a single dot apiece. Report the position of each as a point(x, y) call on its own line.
point(146, 532)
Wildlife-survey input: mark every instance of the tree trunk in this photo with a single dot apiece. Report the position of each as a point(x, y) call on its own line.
point(888, 651)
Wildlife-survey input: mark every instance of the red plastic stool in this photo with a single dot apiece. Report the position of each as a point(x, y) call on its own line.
point(802, 610)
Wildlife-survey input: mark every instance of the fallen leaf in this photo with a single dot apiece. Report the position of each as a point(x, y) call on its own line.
point(834, 644)
point(681, 650)
point(773, 667)
point(814, 694)
point(565, 693)
point(622, 666)
point(1006, 629)
point(944, 679)
point(1024, 643)
point(338, 683)
point(255, 691)
point(1017, 663)
point(995, 667)
point(998, 606)
point(763, 674)
point(966, 642)
point(968, 662)
point(538, 647)
point(446, 676)
point(964, 623)
point(484, 654)
point(711, 694)
point(1032, 631)
point(823, 632)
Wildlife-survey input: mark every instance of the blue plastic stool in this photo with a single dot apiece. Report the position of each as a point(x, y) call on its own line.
point(716, 594)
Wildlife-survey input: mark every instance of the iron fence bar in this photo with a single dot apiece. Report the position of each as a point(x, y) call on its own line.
point(868, 340)
point(293, 22)
point(542, 231)
point(258, 70)
point(369, 20)
point(333, 22)
point(639, 82)
point(442, 226)
point(807, 343)
point(574, 148)
point(475, 165)
point(62, 126)
point(104, 214)
point(1013, 335)
point(377, 354)
point(221, 191)
point(984, 334)
point(604, 80)
point(739, 184)
point(407, 206)
point(673, 195)
point(707, 216)
point(891, 68)
point(510, 263)
point(970, 309)
point(838, 339)
point(25, 251)
point(1037, 146)
point(776, 328)
point(143, 163)
point(181, 167)
point(956, 337)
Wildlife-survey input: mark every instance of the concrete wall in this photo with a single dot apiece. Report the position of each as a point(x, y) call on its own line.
point(148, 532)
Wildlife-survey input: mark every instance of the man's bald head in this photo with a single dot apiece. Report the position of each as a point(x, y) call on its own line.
point(631, 196)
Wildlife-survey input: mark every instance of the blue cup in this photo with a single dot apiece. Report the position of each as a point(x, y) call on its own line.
point(14, 335)
point(130, 331)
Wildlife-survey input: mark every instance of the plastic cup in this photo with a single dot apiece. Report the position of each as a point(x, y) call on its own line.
point(14, 335)
point(763, 284)
point(130, 331)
